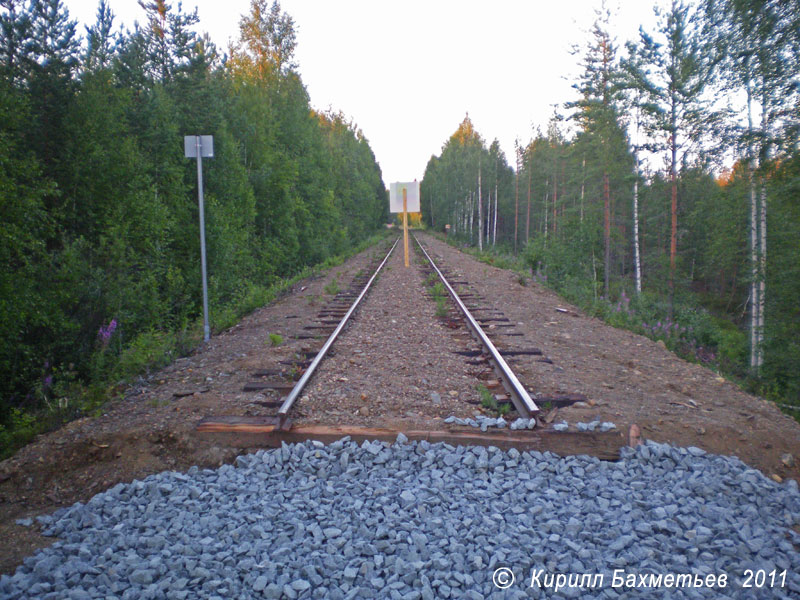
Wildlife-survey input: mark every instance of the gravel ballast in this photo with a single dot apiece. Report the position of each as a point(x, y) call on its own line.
point(422, 521)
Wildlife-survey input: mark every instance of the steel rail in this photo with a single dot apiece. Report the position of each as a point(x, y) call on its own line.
point(519, 396)
point(301, 383)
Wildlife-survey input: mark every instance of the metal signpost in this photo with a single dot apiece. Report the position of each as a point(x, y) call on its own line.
point(199, 146)
point(404, 198)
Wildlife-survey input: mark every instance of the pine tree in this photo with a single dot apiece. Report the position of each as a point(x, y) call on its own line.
point(169, 39)
point(100, 40)
point(672, 77)
point(16, 45)
point(597, 115)
point(55, 50)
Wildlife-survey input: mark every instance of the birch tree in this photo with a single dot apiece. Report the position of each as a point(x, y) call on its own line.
point(757, 44)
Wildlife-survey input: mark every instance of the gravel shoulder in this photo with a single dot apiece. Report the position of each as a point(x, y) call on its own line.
point(422, 521)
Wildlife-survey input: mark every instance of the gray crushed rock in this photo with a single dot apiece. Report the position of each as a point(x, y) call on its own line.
point(419, 520)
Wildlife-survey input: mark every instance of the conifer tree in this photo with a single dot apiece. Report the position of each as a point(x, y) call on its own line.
point(672, 75)
point(55, 48)
point(598, 117)
point(15, 39)
point(100, 40)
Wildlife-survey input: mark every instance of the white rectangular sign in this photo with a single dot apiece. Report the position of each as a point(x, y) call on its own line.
point(396, 197)
point(206, 146)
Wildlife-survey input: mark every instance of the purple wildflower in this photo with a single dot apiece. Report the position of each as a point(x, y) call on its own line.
point(48, 381)
point(105, 333)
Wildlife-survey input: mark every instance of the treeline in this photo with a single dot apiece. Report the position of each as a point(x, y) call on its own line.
point(622, 204)
point(99, 231)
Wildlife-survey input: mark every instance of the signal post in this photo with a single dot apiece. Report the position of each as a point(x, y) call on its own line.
point(404, 197)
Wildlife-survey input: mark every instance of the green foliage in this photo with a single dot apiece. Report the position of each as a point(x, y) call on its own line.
point(437, 292)
point(489, 402)
point(148, 351)
point(450, 184)
point(99, 205)
point(441, 307)
point(332, 287)
point(275, 339)
point(18, 430)
point(487, 398)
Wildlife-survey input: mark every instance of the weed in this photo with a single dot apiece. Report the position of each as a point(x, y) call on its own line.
point(147, 352)
point(437, 290)
point(275, 339)
point(441, 307)
point(489, 402)
point(437, 293)
point(487, 398)
point(333, 287)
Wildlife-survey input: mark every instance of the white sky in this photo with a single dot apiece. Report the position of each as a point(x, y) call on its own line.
point(407, 72)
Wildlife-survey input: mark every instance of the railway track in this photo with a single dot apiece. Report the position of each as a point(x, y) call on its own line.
point(467, 313)
point(298, 388)
point(522, 401)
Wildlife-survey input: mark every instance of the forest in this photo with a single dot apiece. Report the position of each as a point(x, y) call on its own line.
point(664, 196)
point(99, 237)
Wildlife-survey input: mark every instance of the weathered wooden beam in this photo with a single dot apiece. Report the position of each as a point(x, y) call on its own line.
point(263, 431)
point(255, 386)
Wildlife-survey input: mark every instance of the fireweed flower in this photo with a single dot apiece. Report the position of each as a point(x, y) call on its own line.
point(104, 333)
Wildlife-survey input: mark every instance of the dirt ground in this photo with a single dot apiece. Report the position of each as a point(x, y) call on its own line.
point(627, 378)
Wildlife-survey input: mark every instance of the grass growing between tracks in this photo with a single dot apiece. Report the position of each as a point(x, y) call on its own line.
point(692, 332)
point(439, 296)
point(489, 402)
point(66, 396)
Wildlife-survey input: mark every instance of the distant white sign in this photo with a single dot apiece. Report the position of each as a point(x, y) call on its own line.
point(206, 146)
point(396, 197)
